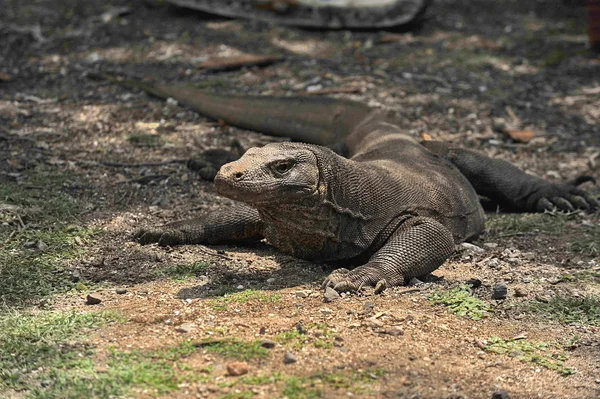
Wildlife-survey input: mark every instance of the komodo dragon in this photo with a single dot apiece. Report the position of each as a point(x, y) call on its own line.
point(376, 198)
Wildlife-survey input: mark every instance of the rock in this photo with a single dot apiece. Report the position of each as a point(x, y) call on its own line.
point(184, 328)
point(474, 282)
point(513, 261)
point(267, 343)
point(394, 331)
point(302, 294)
point(90, 300)
point(237, 368)
point(301, 329)
point(330, 295)
point(289, 358)
point(500, 291)
point(325, 312)
point(41, 245)
point(270, 280)
point(121, 291)
point(500, 395)
point(414, 281)
point(494, 263)
point(471, 247)
point(45, 383)
point(75, 276)
point(368, 307)
point(491, 245)
point(520, 292)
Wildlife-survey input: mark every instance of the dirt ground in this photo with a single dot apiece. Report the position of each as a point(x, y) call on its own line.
point(68, 139)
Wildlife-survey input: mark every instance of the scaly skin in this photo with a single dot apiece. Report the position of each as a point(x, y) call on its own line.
point(392, 206)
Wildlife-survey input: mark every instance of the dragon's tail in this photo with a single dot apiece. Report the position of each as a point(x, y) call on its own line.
point(323, 121)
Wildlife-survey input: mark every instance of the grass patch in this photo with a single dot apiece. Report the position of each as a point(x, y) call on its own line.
point(567, 309)
point(243, 297)
point(530, 352)
point(50, 339)
point(518, 224)
point(238, 395)
point(182, 272)
point(588, 276)
point(37, 239)
point(318, 334)
point(588, 243)
point(236, 349)
point(462, 302)
point(300, 388)
point(261, 379)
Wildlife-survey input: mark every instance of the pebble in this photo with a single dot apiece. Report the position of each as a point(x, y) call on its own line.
point(237, 368)
point(474, 282)
point(90, 300)
point(394, 331)
point(500, 291)
point(494, 263)
point(45, 383)
point(75, 276)
point(325, 312)
point(289, 358)
point(184, 328)
point(471, 247)
point(415, 281)
point(520, 292)
point(270, 280)
point(302, 294)
point(267, 343)
point(491, 245)
point(121, 291)
point(500, 395)
point(330, 295)
point(514, 261)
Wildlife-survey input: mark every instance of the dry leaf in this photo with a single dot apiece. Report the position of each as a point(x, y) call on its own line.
point(522, 136)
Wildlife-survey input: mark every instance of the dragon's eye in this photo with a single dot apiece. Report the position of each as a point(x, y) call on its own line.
point(282, 167)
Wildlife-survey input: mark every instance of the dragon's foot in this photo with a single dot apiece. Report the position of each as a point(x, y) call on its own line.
point(344, 280)
point(163, 236)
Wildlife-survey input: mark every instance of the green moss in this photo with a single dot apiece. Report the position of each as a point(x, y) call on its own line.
point(183, 272)
point(318, 334)
point(236, 349)
point(243, 297)
point(526, 351)
point(568, 309)
point(462, 302)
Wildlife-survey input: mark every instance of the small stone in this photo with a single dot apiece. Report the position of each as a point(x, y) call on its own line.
point(121, 291)
point(514, 261)
point(239, 287)
point(500, 395)
point(394, 331)
point(414, 281)
point(302, 294)
point(237, 368)
point(262, 331)
point(330, 295)
point(45, 383)
point(500, 291)
point(301, 329)
point(491, 245)
point(289, 358)
point(184, 328)
point(75, 276)
point(494, 263)
point(368, 307)
point(90, 300)
point(520, 292)
point(270, 280)
point(325, 312)
point(41, 245)
point(267, 343)
point(471, 247)
point(474, 282)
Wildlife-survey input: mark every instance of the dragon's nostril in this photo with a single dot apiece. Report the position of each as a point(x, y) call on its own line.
point(238, 175)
